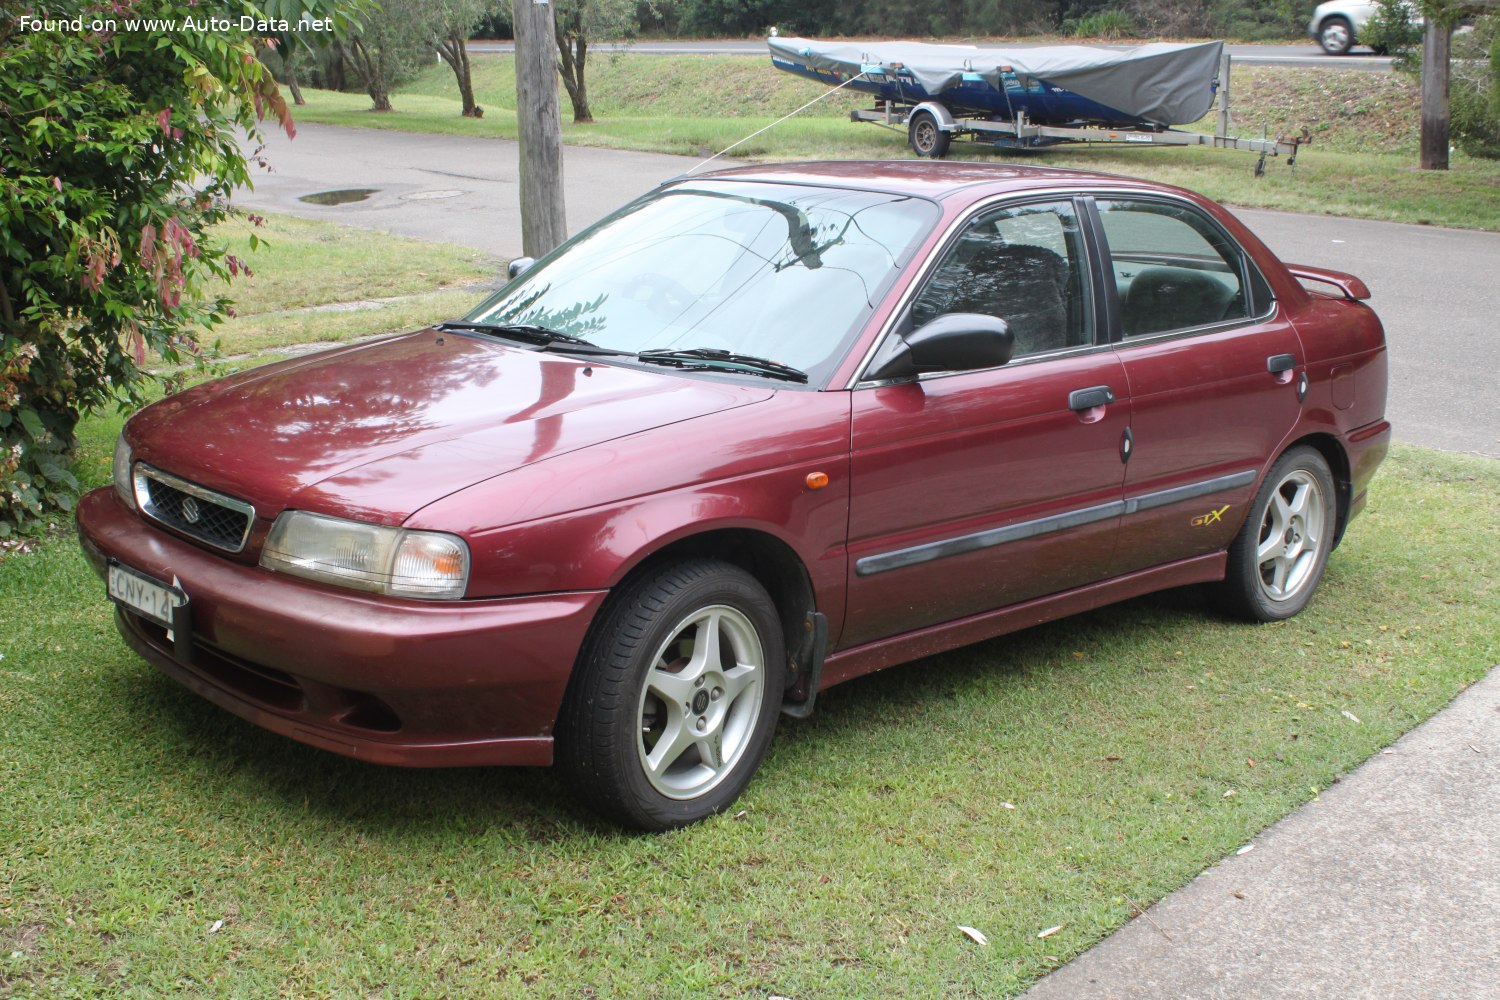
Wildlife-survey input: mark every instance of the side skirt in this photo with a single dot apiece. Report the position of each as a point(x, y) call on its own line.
point(857, 661)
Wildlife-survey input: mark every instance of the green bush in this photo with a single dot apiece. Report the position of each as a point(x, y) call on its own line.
point(1474, 92)
point(1392, 29)
point(120, 150)
point(1104, 24)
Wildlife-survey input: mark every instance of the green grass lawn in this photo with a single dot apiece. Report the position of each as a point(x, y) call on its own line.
point(301, 267)
point(138, 816)
point(152, 844)
point(1362, 162)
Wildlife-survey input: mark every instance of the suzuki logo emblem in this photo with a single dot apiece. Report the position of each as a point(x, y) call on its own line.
point(190, 512)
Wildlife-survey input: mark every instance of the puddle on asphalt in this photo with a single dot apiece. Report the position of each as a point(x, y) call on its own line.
point(342, 197)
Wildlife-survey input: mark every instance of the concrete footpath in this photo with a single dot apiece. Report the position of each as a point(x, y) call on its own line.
point(1386, 887)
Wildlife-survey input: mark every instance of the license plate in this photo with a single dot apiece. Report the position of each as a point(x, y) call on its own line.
point(140, 593)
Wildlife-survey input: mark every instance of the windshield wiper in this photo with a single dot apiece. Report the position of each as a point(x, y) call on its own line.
point(530, 333)
point(708, 358)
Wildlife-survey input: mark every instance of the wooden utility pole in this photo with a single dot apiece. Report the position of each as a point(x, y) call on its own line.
point(543, 224)
point(1435, 50)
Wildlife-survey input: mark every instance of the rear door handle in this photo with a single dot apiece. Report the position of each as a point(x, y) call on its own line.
point(1278, 363)
point(1087, 399)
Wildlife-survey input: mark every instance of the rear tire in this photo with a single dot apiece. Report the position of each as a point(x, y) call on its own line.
point(1277, 559)
point(675, 696)
point(1336, 35)
point(926, 138)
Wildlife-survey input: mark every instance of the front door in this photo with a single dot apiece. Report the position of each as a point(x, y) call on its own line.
point(976, 490)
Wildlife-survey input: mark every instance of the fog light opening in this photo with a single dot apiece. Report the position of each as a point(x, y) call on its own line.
point(369, 712)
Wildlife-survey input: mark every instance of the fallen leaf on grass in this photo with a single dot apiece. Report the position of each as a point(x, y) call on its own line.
point(974, 933)
point(1051, 931)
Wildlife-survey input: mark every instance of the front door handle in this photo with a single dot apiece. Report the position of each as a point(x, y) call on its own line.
point(1087, 399)
point(1278, 363)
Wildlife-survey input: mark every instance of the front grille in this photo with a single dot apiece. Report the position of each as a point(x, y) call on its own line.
point(212, 518)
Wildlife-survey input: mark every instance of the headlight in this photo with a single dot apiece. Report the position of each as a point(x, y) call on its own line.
point(123, 461)
point(368, 557)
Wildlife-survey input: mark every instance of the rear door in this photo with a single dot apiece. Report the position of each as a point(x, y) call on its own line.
point(976, 490)
point(1214, 372)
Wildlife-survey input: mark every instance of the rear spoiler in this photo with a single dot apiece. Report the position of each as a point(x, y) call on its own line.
point(1351, 286)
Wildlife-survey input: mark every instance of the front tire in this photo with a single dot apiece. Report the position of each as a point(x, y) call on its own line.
point(675, 696)
point(926, 138)
point(1336, 35)
point(1277, 559)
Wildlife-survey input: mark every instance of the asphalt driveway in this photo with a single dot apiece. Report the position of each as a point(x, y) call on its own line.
point(1432, 287)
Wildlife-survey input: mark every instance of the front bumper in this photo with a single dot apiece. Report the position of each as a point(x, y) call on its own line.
point(406, 682)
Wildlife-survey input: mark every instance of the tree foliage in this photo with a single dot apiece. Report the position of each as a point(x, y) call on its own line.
point(578, 22)
point(453, 22)
point(1474, 84)
point(391, 44)
point(1250, 19)
point(120, 150)
point(288, 40)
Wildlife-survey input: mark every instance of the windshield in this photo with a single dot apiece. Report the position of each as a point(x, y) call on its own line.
point(774, 271)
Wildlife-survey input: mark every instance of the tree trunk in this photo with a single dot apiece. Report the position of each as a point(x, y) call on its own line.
point(333, 66)
point(1435, 50)
point(289, 69)
point(572, 54)
point(371, 69)
point(543, 223)
point(456, 54)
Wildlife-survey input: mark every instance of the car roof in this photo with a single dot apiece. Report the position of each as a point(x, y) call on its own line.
point(938, 180)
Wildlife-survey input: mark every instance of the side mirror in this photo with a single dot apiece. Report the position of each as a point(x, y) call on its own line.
point(519, 266)
point(954, 342)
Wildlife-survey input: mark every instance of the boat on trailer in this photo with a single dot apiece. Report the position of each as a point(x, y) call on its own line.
point(1033, 98)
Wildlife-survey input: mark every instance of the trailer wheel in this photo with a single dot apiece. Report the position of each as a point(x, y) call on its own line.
point(926, 138)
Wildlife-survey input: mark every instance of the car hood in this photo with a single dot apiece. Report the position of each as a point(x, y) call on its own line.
point(380, 430)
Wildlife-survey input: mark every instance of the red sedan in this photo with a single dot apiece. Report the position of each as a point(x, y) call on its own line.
point(757, 433)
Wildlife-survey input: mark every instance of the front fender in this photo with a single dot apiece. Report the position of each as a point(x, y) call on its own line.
point(583, 520)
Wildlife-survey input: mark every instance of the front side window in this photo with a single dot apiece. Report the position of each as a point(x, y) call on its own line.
point(1024, 264)
point(776, 271)
point(1174, 269)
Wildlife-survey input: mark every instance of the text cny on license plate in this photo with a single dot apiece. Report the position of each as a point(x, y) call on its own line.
point(140, 593)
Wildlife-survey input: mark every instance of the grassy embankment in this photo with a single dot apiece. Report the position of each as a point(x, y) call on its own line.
point(1362, 162)
point(317, 282)
point(152, 844)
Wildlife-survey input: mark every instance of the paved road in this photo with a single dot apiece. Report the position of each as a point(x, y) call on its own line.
point(1433, 287)
point(1387, 888)
point(1307, 54)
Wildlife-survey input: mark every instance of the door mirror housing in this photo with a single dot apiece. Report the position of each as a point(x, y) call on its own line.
point(954, 342)
point(519, 266)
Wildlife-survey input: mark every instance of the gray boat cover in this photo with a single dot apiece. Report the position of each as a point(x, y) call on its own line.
point(1163, 83)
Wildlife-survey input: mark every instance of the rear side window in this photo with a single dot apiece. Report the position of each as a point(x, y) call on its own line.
point(1176, 270)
